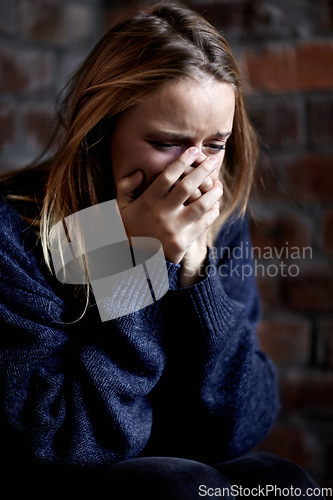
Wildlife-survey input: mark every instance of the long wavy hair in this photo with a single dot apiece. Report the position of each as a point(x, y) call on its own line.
point(163, 43)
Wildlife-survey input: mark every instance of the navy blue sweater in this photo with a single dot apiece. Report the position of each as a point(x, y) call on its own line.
point(182, 377)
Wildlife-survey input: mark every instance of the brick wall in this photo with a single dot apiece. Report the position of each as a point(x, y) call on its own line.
point(285, 49)
point(41, 43)
point(286, 53)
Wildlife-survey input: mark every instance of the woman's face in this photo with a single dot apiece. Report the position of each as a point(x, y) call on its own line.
point(155, 132)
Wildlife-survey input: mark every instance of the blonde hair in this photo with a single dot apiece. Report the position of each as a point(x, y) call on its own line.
point(141, 53)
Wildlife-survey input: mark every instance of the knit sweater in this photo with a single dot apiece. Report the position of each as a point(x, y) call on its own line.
point(182, 377)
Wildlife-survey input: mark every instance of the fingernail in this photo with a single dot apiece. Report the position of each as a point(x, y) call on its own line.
point(193, 152)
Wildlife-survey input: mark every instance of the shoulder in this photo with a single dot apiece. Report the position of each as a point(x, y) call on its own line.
point(23, 273)
point(9, 215)
point(16, 236)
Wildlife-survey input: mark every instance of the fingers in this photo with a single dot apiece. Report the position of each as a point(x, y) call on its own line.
point(127, 187)
point(189, 184)
point(194, 196)
point(172, 173)
point(204, 203)
point(205, 221)
point(205, 186)
point(209, 218)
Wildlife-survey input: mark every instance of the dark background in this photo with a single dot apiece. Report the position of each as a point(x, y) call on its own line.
point(285, 51)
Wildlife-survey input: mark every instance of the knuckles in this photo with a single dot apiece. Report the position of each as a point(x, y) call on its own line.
point(200, 205)
point(166, 177)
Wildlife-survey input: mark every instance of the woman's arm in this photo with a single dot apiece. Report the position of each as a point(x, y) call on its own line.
point(70, 394)
point(218, 394)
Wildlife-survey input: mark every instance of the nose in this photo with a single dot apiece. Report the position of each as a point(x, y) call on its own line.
point(200, 158)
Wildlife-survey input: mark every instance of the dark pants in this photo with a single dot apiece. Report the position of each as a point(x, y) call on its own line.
point(164, 478)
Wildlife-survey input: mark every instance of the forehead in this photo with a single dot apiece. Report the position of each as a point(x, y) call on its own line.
point(189, 107)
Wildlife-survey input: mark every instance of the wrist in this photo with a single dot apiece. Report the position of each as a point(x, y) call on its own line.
point(192, 267)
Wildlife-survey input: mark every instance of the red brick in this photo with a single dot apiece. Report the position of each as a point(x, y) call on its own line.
point(273, 69)
point(113, 16)
point(310, 177)
point(37, 125)
point(268, 183)
point(320, 120)
point(279, 68)
point(25, 70)
point(285, 340)
point(291, 443)
point(263, 20)
point(325, 343)
point(329, 17)
point(311, 290)
point(229, 15)
point(306, 177)
point(307, 391)
point(7, 125)
point(282, 236)
point(8, 18)
point(278, 121)
point(270, 292)
point(328, 231)
point(314, 65)
point(56, 22)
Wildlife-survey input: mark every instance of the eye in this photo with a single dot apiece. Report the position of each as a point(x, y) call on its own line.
point(215, 147)
point(163, 146)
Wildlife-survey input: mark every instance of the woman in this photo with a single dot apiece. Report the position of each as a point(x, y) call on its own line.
point(150, 402)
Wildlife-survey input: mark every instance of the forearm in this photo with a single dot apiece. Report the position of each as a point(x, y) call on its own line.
point(223, 386)
point(218, 396)
point(192, 269)
point(82, 397)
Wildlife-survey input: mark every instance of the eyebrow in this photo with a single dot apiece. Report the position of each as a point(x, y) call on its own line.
point(182, 137)
point(222, 135)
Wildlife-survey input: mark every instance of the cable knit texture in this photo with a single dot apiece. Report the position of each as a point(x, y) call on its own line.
point(181, 377)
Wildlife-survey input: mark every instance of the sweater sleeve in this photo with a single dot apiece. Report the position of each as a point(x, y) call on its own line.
point(184, 375)
point(69, 394)
point(218, 395)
